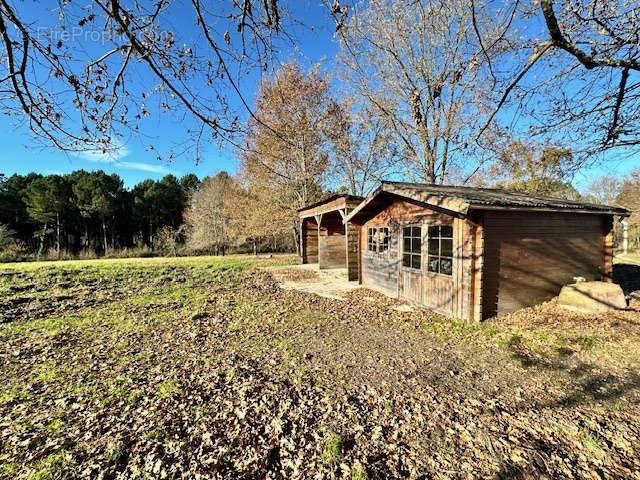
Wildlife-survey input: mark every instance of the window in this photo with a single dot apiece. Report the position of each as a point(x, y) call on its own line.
point(378, 239)
point(411, 247)
point(440, 245)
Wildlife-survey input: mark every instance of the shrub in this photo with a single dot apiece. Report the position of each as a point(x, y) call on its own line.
point(15, 252)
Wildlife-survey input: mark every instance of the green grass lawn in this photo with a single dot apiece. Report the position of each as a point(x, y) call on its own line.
point(172, 368)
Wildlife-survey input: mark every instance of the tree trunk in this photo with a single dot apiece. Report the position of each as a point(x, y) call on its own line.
point(113, 233)
point(150, 234)
point(255, 247)
point(86, 237)
point(296, 239)
point(223, 250)
point(58, 235)
point(104, 231)
point(42, 235)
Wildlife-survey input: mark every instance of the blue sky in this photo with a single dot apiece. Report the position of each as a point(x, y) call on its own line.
point(136, 162)
point(20, 154)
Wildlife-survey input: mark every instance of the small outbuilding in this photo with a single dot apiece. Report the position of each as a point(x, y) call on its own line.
point(470, 253)
point(325, 238)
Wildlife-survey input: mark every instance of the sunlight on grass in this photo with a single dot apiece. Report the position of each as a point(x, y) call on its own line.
point(230, 261)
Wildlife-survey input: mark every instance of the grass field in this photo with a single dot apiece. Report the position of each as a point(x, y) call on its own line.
point(174, 368)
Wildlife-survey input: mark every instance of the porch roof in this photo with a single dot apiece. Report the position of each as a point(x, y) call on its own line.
point(338, 203)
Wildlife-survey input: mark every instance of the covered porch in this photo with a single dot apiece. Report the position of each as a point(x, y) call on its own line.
point(326, 239)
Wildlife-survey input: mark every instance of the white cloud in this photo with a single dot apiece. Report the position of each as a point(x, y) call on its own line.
point(145, 167)
point(117, 151)
point(113, 157)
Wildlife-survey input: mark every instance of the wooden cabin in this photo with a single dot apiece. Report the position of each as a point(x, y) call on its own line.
point(325, 238)
point(474, 253)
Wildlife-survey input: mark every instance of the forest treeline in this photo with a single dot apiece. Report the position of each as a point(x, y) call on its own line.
point(87, 213)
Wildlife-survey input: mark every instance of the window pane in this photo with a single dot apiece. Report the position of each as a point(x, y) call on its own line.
point(406, 245)
point(433, 246)
point(433, 264)
point(417, 232)
point(434, 232)
point(446, 265)
point(446, 247)
point(406, 231)
point(416, 245)
point(446, 231)
point(415, 261)
point(406, 260)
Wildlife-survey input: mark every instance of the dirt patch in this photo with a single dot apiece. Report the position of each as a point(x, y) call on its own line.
point(329, 283)
point(221, 373)
point(293, 274)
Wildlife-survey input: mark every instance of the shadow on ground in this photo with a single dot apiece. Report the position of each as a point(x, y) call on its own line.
point(627, 276)
point(589, 383)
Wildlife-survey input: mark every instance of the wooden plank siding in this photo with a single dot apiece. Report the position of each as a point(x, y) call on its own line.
point(529, 256)
point(477, 268)
point(607, 232)
point(449, 295)
point(332, 242)
point(309, 241)
point(352, 251)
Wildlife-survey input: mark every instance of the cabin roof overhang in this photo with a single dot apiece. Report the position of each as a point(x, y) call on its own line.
point(460, 201)
point(339, 203)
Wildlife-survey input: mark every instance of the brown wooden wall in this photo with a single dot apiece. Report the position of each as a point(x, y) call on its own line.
point(352, 252)
point(332, 242)
point(529, 256)
point(309, 241)
point(451, 295)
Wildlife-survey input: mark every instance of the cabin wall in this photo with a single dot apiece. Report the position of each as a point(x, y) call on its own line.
point(352, 252)
point(529, 256)
point(380, 270)
point(451, 295)
point(332, 242)
point(309, 241)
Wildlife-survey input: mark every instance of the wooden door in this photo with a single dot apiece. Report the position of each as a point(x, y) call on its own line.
point(411, 263)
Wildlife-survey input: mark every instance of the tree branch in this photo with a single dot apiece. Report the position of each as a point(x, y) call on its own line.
point(589, 61)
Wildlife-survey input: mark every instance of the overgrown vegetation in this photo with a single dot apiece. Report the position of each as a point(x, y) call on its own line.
point(177, 367)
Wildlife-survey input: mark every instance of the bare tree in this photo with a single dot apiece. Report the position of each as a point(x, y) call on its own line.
point(576, 78)
point(421, 67)
point(605, 189)
point(77, 85)
point(529, 167)
point(214, 217)
point(364, 151)
point(169, 238)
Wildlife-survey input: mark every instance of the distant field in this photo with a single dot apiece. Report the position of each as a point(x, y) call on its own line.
point(172, 368)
